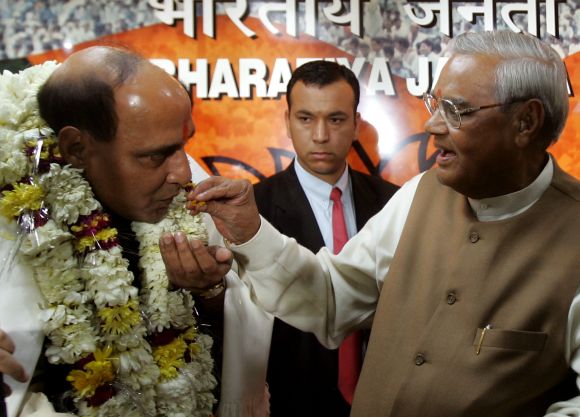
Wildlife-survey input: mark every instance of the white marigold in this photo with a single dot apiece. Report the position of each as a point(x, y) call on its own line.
point(148, 234)
point(71, 333)
point(61, 284)
point(181, 309)
point(68, 194)
point(41, 239)
point(13, 162)
point(121, 405)
point(107, 278)
point(176, 397)
point(138, 368)
point(155, 297)
point(130, 340)
point(58, 276)
point(18, 105)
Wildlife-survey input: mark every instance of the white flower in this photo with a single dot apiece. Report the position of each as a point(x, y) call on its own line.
point(68, 194)
point(181, 309)
point(148, 376)
point(42, 238)
point(13, 162)
point(122, 405)
point(18, 105)
point(178, 396)
point(130, 340)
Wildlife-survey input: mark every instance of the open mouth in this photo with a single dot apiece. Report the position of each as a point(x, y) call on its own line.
point(445, 156)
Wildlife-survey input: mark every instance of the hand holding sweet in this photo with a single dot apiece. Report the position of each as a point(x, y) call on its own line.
point(192, 265)
point(231, 205)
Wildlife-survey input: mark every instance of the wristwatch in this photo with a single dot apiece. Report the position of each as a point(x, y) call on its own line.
point(213, 291)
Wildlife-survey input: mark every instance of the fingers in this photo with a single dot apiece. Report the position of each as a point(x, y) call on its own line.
point(216, 194)
point(180, 263)
point(191, 264)
point(218, 188)
point(206, 256)
point(222, 254)
point(231, 205)
point(8, 364)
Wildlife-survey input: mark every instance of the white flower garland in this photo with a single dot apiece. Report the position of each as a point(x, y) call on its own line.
point(136, 352)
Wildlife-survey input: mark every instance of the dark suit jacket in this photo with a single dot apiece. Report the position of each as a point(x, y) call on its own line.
point(302, 374)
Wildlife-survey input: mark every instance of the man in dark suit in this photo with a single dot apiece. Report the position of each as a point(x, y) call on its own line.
point(322, 122)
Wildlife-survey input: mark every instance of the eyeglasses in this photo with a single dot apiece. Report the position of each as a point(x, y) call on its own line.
point(449, 111)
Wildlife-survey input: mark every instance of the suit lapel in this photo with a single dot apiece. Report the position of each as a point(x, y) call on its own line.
point(294, 216)
point(365, 199)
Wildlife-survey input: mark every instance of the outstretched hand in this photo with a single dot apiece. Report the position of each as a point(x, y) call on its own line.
point(192, 265)
point(9, 365)
point(231, 205)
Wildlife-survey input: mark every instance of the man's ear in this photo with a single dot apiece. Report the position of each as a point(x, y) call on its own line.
point(529, 121)
point(72, 144)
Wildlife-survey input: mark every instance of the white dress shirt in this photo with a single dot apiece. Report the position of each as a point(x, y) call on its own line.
point(318, 195)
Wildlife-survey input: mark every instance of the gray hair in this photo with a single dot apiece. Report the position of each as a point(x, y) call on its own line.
point(529, 69)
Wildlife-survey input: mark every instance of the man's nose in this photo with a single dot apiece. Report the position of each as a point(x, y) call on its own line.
point(320, 133)
point(179, 172)
point(436, 125)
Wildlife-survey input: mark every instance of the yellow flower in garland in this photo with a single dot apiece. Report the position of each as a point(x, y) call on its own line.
point(170, 358)
point(121, 319)
point(23, 197)
point(49, 148)
point(94, 232)
point(190, 336)
point(96, 373)
point(90, 242)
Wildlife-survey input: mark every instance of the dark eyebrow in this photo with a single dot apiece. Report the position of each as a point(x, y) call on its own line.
point(333, 114)
point(164, 150)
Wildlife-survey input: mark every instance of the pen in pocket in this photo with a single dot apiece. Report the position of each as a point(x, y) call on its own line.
point(481, 337)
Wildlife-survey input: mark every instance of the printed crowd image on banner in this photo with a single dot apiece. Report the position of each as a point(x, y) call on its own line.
point(236, 57)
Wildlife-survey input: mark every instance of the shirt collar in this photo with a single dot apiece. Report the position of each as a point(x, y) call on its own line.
point(509, 205)
point(318, 188)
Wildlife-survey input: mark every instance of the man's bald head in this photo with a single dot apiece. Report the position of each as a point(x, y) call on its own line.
point(81, 92)
point(124, 122)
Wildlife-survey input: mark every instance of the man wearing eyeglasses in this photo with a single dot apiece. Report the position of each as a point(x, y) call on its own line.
point(470, 272)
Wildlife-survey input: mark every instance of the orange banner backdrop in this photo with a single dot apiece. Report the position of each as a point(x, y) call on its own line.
point(246, 137)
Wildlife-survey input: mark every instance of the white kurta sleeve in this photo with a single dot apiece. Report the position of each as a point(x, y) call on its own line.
point(328, 295)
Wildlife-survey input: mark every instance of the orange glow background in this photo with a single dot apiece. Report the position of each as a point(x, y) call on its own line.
point(246, 138)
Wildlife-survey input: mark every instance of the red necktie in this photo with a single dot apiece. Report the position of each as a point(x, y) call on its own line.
point(349, 353)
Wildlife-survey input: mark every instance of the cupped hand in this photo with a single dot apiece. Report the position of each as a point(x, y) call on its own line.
point(192, 265)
